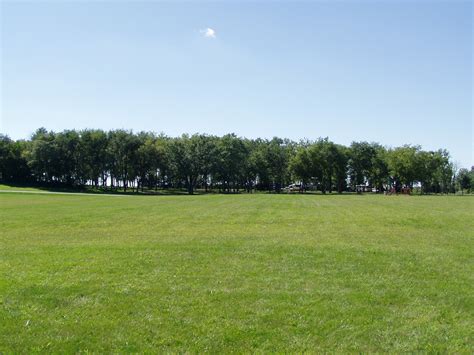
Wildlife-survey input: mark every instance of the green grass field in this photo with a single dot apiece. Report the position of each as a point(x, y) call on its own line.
point(236, 273)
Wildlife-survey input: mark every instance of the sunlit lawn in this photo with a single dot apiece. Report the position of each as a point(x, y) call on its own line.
point(236, 273)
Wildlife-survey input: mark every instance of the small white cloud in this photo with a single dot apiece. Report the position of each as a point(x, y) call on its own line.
point(208, 33)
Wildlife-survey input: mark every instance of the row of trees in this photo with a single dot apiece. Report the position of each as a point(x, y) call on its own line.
point(122, 159)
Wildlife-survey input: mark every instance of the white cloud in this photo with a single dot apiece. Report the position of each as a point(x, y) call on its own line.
point(208, 33)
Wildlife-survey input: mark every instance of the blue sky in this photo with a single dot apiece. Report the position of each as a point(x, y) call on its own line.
point(394, 72)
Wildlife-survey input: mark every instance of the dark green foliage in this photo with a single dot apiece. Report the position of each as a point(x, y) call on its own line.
point(433, 170)
point(230, 166)
point(191, 158)
point(94, 156)
point(323, 164)
point(13, 162)
point(368, 164)
point(121, 159)
point(465, 179)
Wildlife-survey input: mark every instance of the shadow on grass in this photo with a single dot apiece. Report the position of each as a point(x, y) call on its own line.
point(183, 192)
point(91, 189)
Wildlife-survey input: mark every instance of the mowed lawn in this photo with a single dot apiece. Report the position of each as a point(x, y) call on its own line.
point(236, 273)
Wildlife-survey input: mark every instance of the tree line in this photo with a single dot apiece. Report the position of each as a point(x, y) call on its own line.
point(120, 159)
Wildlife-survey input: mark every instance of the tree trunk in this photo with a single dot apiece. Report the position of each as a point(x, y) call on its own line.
point(189, 181)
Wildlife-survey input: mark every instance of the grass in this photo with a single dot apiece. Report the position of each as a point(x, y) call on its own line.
point(4, 187)
point(236, 273)
point(98, 190)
